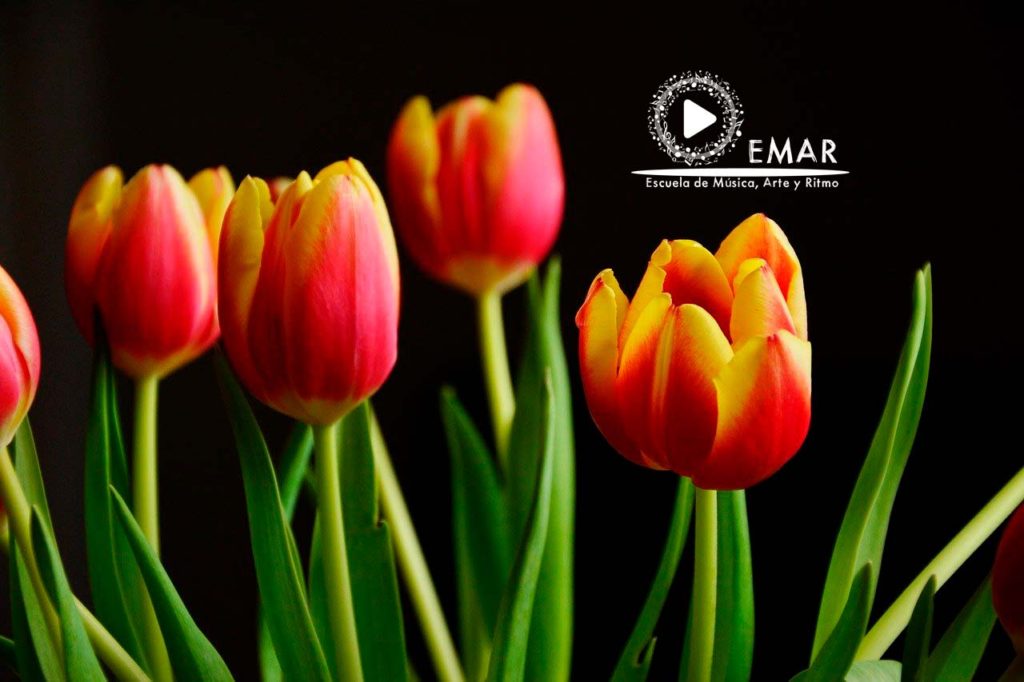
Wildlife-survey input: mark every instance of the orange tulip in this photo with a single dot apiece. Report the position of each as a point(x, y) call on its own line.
point(19, 359)
point(1008, 580)
point(477, 188)
point(309, 291)
point(144, 256)
point(707, 371)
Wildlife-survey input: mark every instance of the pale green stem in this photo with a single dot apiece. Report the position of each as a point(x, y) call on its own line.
point(108, 649)
point(340, 610)
point(705, 587)
point(413, 566)
point(880, 637)
point(496, 371)
point(147, 513)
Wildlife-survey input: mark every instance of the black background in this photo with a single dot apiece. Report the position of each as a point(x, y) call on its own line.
point(925, 110)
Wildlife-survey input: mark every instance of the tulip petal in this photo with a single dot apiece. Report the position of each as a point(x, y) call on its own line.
point(19, 357)
point(764, 410)
point(1007, 585)
point(760, 237)
point(599, 320)
point(759, 308)
point(88, 232)
point(214, 189)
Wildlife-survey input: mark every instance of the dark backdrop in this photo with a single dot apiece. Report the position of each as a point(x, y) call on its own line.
point(924, 108)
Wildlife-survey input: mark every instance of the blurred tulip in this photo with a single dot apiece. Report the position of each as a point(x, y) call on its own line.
point(144, 256)
point(19, 359)
point(309, 291)
point(707, 371)
point(1008, 580)
point(477, 189)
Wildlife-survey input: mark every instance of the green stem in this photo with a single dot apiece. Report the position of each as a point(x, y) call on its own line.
point(705, 587)
point(147, 513)
point(108, 649)
point(414, 569)
point(880, 637)
point(496, 371)
point(340, 613)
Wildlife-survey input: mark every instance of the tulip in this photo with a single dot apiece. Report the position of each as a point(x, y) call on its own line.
point(1008, 581)
point(707, 371)
point(143, 255)
point(478, 188)
point(19, 359)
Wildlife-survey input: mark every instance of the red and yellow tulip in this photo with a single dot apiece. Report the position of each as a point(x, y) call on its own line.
point(707, 371)
point(19, 359)
point(144, 254)
point(477, 188)
point(309, 291)
point(1008, 580)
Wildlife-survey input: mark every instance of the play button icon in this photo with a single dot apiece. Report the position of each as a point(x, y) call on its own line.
point(695, 118)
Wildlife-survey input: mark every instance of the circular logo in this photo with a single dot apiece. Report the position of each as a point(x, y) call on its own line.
point(711, 117)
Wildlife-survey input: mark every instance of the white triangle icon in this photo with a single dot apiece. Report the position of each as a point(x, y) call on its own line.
point(695, 118)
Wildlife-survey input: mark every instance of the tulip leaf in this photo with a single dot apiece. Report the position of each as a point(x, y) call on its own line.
point(482, 547)
point(46, 656)
point(318, 593)
point(550, 648)
point(7, 653)
point(192, 655)
point(918, 638)
point(29, 656)
point(958, 653)
point(113, 574)
point(865, 525)
point(875, 671)
point(512, 634)
point(372, 573)
point(635, 662)
point(835, 659)
point(80, 662)
point(278, 570)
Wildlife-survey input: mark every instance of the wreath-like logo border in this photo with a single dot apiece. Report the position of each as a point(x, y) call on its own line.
point(724, 96)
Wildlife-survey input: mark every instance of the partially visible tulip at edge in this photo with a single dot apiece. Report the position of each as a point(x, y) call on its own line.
point(143, 254)
point(19, 359)
point(477, 187)
point(1008, 580)
point(309, 291)
point(707, 371)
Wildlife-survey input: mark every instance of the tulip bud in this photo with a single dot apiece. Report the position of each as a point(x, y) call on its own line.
point(707, 371)
point(309, 292)
point(1008, 580)
point(144, 256)
point(477, 189)
point(19, 359)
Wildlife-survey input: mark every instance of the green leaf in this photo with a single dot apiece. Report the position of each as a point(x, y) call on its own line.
point(318, 593)
point(278, 571)
point(836, 656)
point(80, 661)
point(7, 653)
point(635, 662)
point(372, 574)
point(482, 546)
point(865, 525)
point(192, 655)
point(508, 658)
point(113, 574)
point(550, 648)
point(874, 671)
point(734, 610)
point(41, 657)
point(28, 664)
point(958, 653)
point(918, 639)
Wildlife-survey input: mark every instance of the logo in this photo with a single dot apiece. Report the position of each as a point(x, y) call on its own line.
point(711, 117)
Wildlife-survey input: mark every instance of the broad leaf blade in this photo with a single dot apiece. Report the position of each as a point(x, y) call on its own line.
point(635, 662)
point(550, 649)
point(918, 640)
point(508, 658)
point(278, 573)
point(958, 653)
point(836, 656)
point(7, 653)
point(192, 655)
point(29, 657)
point(862, 534)
point(80, 662)
point(734, 609)
point(373, 577)
point(875, 671)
